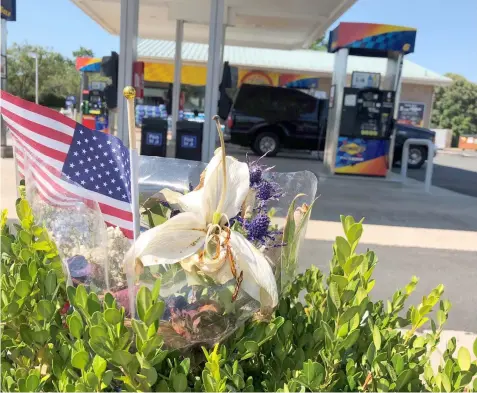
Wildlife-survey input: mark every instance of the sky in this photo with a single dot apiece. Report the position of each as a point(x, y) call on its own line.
point(446, 29)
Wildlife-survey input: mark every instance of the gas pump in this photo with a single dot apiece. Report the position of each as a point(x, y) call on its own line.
point(360, 130)
point(365, 132)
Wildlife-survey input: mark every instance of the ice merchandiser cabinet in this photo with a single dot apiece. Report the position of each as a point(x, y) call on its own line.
point(360, 129)
point(365, 132)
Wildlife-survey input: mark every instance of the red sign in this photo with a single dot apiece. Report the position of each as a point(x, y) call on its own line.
point(138, 78)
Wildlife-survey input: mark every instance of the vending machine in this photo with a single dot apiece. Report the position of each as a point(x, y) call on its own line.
point(366, 127)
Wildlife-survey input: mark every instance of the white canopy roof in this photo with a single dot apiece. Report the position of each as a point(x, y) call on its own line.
point(283, 24)
point(295, 61)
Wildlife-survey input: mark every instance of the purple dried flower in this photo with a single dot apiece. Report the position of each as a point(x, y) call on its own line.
point(255, 175)
point(257, 228)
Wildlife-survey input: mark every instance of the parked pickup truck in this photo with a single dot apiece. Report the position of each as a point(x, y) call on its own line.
point(267, 119)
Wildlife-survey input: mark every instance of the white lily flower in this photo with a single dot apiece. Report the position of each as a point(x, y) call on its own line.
point(199, 238)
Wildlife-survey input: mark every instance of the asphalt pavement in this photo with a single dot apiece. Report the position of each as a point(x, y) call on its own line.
point(455, 172)
point(457, 270)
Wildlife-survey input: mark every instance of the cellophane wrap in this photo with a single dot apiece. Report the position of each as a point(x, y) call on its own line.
point(203, 312)
point(74, 223)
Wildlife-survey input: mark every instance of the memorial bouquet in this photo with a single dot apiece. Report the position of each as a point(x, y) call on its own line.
point(219, 254)
point(223, 240)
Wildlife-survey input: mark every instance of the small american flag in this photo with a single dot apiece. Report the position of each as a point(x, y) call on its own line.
point(69, 161)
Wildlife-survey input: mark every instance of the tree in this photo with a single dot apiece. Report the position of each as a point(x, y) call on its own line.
point(455, 106)
point(57, 76)
point(83, 52)
point(321, 44)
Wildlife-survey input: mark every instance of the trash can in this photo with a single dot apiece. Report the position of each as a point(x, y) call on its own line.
point(189, 140)
point(154, 137)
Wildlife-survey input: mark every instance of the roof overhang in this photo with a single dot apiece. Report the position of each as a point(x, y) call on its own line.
point(280, 24)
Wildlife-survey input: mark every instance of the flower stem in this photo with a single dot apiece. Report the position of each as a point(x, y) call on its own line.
point(218, 213)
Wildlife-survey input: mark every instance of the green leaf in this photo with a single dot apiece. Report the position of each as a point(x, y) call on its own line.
point(6, 244)
point(346, 221)
point(251, 346)
point(75, 325)
point(41, 336)
point(150, 373)
point(352, 263)
point(81, 298)
point(179, 382)
point(93, 303)
point(107, 377)
point(207, 381)
point(308, 372)
point(341, 281)
point(354, 234)
point(348, 314)
point(99, 365)
point(45, 309)
point(25, 237)
point(446, 382)
point(154, 313)
point(377, 338)
point(80, 360)
point(343, 250)
point(98, 331)
point(350, 340)
point(371, 353)
point(23, 210)
point(403, 379)
point(112, 316)
point(156, 290)
point(22, 288)
point(335, 295)
point(71, 292)
point(463, 359)
point(32, 383)
point(441, 317)
point(50, 282)
point(398, 363)
point(92, 379)
point(475, 347)
point(140, 329)
point(143, 302)
point(123, 358)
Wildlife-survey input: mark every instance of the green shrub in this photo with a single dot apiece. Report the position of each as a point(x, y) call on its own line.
point(326, 334)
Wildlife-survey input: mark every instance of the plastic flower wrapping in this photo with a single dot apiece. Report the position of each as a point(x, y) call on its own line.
point(224, 240)
point(222, 237)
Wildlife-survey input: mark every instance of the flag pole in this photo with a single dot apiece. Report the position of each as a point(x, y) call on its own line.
point(130, 94)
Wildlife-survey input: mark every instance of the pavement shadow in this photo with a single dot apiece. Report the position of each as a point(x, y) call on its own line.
point(455, 179)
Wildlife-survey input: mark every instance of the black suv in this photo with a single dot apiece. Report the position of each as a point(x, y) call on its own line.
point(267, 118)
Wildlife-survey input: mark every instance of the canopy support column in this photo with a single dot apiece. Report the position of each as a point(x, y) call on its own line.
point(216, 47)
point(127, 56)
point(176, 88)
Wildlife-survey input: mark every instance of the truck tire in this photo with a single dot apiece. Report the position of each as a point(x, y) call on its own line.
point(417, 157)
point(266, 143)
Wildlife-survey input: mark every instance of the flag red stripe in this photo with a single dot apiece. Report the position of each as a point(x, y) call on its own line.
point(40, 110)
point(38, 128)
point(47, 151)
point(63, 194)
point(113, 211)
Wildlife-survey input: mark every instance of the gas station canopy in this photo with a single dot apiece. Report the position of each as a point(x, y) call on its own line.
point(280, 24)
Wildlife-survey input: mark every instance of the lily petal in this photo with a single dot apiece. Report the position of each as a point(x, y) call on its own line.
point(192, 202)
point(176, 239)
point(237, 186)
point(258, 278)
